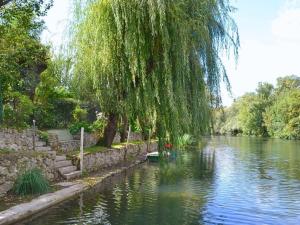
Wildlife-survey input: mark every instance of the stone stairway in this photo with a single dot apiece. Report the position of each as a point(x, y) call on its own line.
point(66, 168)
point(42, 146)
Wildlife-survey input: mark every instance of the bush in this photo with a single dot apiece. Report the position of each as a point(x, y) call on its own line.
point(75, 127)
point(99, 125)
point(31, 182)
point(79, 114)
point(45, 116)
point(18, 111)
point(185, 141)
point(44, 136)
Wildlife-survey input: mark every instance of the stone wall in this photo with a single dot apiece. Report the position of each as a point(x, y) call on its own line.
point(16, 140)
point(71, 145)
point(15, 163)
point(133, 137)
point(112, 157)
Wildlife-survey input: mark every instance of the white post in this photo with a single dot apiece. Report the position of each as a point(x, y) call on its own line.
point(149, 140)
point(128, 136)
point(81, 150)
point(34, 134)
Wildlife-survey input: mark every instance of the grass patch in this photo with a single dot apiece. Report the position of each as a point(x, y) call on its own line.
point(31, 182)
point(123, 144)
point(5, 151)
point(94, 149)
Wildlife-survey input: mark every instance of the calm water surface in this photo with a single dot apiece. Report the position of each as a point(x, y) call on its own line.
point(229, 181)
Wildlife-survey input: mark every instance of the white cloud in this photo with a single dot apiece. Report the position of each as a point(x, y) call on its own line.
point(265, 61)
point(287, 25)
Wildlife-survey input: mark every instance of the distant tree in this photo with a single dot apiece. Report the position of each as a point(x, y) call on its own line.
point(287, 83)
point(267, 112)
point(282, 119)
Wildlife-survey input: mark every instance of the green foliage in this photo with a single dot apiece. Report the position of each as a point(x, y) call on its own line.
point(18, 111)
point(155, 61)
point(99, 125)
point(76, 127)
point(185, 141)
point(54, 102)
point(79, 114)
point(44, 136)
point(5, 151)
point(252, 108)
point(267, 112)
point(22, 56)
point(226, 120)
point(31, 182)
point(283, 117)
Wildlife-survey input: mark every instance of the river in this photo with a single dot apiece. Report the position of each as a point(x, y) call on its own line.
point(231, 180)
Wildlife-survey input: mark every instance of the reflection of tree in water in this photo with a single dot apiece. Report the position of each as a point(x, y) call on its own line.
point(166, 193)
point(170, 192)
point(194, 164)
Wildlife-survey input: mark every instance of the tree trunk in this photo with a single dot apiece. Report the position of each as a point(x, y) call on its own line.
point(110, 130)
point(124, 130)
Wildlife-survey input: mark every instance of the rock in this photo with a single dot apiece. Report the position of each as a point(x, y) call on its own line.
point(3, 171)
point(4, 188)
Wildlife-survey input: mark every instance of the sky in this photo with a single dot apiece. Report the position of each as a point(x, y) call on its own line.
point(269, 34)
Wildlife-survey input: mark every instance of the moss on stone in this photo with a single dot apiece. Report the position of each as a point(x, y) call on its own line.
point(5, 151)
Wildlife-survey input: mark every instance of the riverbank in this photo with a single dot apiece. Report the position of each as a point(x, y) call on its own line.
point(99, 164)
point(69, 190)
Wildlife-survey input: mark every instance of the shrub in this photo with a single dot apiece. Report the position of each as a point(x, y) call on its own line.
point(185, 140)
point(45, 116)
point(18, 111)
point(44, 136)
point(75, 127)
point(79, 114)
point(99, 125)
point(31, 182)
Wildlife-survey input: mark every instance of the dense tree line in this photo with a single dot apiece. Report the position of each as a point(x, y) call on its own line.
point(269, 111)
point(152, 64)
point(31, 78)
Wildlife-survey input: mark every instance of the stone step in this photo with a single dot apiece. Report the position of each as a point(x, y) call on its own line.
point(67, 169)
point(44, 149)
point(40, 144)
point(60, 158)
point(63, 163)
point(72, 175)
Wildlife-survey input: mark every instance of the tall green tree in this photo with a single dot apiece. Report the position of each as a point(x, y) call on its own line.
point(269, 111)
point(22, 56)
point(155, 61)
point(282, 118)
point(253, 107)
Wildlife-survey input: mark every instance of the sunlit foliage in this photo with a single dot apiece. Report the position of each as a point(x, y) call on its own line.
point(156, 61)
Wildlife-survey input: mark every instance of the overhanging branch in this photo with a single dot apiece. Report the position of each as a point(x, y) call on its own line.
point(4, 2)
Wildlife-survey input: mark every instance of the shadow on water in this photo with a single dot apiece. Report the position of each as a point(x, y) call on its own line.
point(229, 181)
point(169, 192)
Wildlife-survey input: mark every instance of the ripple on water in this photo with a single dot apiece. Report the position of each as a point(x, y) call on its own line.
point(230, 181)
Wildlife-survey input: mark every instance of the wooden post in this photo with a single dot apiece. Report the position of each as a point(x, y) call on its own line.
point(128, 136)
point(149, 140)
point(33, 136)
point(81, 150)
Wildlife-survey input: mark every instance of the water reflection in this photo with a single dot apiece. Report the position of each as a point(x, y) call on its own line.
point(229, 181)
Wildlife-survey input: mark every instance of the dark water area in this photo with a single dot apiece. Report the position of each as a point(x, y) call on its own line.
point(231, 180)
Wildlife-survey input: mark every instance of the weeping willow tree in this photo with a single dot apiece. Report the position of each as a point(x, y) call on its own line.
point(154, 61)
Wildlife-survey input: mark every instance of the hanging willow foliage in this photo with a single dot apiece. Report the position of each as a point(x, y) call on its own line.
point(154, 60)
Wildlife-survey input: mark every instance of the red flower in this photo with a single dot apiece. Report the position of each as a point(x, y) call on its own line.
point(168, 145)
